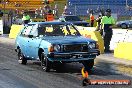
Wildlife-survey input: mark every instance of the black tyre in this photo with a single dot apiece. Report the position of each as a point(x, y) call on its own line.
point(88, 64)
point(123, 26)
point(58, 66)
point(21, 58)
point(45, 63)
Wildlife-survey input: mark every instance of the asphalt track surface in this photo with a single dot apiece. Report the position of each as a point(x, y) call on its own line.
point(15, 75)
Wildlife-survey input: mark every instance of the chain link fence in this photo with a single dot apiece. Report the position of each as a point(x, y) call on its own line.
point(121, 11)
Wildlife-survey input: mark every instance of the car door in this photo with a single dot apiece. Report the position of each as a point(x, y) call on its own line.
point(33, 43)
point(23, 39)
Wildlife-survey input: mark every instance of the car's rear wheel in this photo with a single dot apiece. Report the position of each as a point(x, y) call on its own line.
point(88, 64)
point(21, 58)
point(45, 63)
point(123, 26)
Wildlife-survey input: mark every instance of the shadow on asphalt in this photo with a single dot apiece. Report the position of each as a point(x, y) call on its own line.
point(104, 69)
point(63, 68)
point(100, 69)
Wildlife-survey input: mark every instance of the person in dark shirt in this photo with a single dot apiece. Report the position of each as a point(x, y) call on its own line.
point(98, 20)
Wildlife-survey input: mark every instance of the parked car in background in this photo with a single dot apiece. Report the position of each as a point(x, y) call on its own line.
point(55, 42)
point(74, 19)
point(124, 24)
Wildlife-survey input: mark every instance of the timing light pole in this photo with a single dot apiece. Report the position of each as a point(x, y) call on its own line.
point(128, 6)
point(4, 3)
point(126, 3)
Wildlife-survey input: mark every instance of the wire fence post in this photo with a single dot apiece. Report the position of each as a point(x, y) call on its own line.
point(126, 3)
point(75, 9)
point(4, 17)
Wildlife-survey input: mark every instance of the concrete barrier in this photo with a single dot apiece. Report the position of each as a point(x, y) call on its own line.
point(1, 27)
point(118, 36)
point(15, 29)
point(128, 37)
point(123, 50)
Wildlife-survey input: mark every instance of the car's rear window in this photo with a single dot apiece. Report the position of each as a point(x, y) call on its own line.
point(72, 18)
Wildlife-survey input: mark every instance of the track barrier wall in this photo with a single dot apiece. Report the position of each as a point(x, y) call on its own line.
point(1, 27)
point(124, 48)
point(118, 36)
point(15, 29)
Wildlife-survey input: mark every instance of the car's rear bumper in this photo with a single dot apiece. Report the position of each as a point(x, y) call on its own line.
point(73, 56)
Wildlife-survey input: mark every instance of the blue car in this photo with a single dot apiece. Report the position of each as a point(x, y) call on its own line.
point(74, 19)
point(53, 43)
point(124, 24)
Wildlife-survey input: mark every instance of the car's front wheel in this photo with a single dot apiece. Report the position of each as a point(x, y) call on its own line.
point(88, 64)
point(45, 63)
point(21, 58)
point(124, 26)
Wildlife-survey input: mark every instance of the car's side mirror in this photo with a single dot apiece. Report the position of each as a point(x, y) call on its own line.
point(30, 36)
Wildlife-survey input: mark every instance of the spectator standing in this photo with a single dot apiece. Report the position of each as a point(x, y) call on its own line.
point(107, 22)
point(56, 11)
point(46, 9)
point(26, 18)
point(49, 16)
point(65, 12)
point(92, 20)
point(99, 27)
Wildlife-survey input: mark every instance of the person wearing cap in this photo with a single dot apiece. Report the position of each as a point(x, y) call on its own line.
point(107, 22)
point(26, 18)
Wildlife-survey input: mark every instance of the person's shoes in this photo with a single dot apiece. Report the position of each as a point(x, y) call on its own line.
point(107, 51)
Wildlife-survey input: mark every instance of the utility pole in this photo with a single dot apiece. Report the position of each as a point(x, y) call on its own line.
point(129, 7)
point(126, 3)
point(4, 2)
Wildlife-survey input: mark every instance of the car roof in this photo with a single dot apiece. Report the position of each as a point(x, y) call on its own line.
point(124, 20)
point(49, 22)
point(68, 15)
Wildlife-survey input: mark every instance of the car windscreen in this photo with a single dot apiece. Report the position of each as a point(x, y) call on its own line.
point(58, 30)
point(72, 18)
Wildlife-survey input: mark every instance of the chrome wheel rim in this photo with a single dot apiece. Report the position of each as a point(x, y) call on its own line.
point(20, 57)
point(43, 62)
